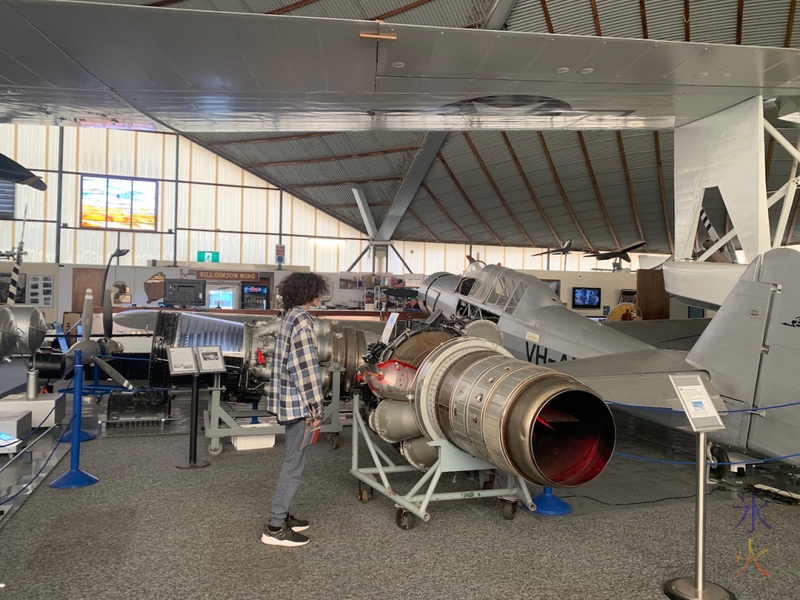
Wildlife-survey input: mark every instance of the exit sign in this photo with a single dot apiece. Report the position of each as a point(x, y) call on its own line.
point(205, 256)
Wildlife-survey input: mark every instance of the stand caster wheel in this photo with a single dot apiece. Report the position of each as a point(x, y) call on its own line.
point(488, 484)
point(214, 450)
point(509, 510)
point(365, 492)
point(404, 519)
point(335, 441)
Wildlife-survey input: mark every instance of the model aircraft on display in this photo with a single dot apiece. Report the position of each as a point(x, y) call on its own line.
point(746, 357)
point(565, 248)
point(14, 172)
point(622, 253)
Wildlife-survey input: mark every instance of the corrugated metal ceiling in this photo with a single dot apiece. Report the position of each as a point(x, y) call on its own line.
point(625, 196)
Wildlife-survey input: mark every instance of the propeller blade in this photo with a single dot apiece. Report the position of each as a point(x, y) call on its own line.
point(88, 315)
point(13, 171)
point(108, 316)
point(112, 372)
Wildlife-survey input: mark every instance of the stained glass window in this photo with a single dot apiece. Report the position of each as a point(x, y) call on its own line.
point(116, 203)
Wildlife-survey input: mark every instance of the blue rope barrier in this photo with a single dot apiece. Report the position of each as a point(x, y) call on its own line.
point(47, 460)
point(721, 412)
point(692, 462)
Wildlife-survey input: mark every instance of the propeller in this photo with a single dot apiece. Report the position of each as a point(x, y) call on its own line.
point(14, 172)
point(92, 349)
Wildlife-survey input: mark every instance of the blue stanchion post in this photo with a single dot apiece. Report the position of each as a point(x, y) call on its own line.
point(85, 436)
point(547, 503)
point(75, 478)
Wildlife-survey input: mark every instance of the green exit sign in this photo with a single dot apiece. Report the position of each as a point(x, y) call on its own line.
point(205, 256)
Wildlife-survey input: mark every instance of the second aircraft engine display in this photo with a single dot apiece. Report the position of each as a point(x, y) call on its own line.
point(527, 420)
point(248, 349)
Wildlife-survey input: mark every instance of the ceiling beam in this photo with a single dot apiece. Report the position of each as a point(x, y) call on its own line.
point(498, 15)
point(597, 188)
point(528, 185)
point(297, 186)
point(630, 184)
point(468, 201)
point(306, 161)
point(643, 12)
point(349, 206)
point(687, 30)
point(497, 190)
point(596, 17)
point(420, 166)
point(421, 224)
point(561, 190)
point(790, 24)
point(285, 9)
point(163, 3)
point(444, 212)
point(284, 138)
point(739, 22)
point(663, 190)
point(366, 213)
point(402, 9)
point(547, 16)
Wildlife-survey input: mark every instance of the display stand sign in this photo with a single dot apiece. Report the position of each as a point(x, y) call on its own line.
point(280, 253)
point(697, 404)
point(195, 360)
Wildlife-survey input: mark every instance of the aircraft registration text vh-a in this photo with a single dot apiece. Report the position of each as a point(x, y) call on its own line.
point(747, 357)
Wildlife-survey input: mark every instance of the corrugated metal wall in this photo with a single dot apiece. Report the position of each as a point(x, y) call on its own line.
point(221, 207)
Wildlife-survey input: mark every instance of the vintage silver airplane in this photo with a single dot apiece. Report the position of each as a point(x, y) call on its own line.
point(747, 355)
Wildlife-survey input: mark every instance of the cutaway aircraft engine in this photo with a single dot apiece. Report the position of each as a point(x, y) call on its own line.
point(528, 420)
point(248, 349)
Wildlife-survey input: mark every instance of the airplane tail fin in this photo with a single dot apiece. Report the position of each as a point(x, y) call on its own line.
point(751, 350)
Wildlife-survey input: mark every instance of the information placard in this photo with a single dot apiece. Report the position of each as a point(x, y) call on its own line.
point(696, 402)
point(210, 359)
point(182, 361)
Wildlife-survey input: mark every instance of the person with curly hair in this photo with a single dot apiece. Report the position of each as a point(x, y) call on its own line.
point(294, 395)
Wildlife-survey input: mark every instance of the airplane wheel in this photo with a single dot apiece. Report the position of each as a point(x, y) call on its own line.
point(365, 492)
point(720, 456)
point(404, 519)
point(335, 441)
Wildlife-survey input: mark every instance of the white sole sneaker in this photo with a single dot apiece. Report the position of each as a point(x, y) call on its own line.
point(300, 528)
point(273, 541)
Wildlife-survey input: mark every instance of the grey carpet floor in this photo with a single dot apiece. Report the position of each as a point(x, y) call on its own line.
point(149, 530)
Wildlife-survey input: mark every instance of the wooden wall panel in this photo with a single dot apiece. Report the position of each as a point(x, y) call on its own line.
point(83, 279)
point(651, 296)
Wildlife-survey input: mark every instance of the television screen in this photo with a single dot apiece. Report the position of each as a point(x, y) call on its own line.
point(585, 297)
point(185, 292)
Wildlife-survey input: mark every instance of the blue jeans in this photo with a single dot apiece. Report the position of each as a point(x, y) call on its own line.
point(291, 474)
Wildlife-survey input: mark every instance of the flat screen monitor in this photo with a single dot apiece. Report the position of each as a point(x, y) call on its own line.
point(185, 292)
point(585, 297)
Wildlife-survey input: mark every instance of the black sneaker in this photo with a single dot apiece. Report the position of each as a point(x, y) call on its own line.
point(296, 524)
point(283, 537)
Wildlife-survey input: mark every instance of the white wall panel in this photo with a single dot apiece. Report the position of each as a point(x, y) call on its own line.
point(201, 207)
point(71, 148)
point(200, 240)
point(254, 250)
point(148, 247)
point(434, 257)
point(229, 208)
point(7, 136)
point(302, 252)
point(6, 236)
point(50, 248)
point(165, 218)
point(203, 164)
point(515, 257)
point(89, 246)
point(151, 157)
point(414, 255)
point(326, 258)
point(302, 217)
point(494, 255)
point(70, 204)
point(33, 231)
point(228, 247)
point(349, 252)
point(455, 258)
point(255, 210)
point(183, 247)
point(92, 150)
point(326, 225)
point(31, 147)
point(122, 154)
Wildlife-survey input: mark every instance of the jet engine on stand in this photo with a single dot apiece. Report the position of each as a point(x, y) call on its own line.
point(529, 421)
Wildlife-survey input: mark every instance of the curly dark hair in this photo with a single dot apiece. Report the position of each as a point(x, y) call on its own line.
point(299, 288)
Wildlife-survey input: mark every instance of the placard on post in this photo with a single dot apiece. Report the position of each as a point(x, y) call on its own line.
point(697, 404)
point(195, 360)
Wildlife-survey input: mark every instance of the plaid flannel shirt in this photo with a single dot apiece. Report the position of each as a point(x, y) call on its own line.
point(295, 387)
